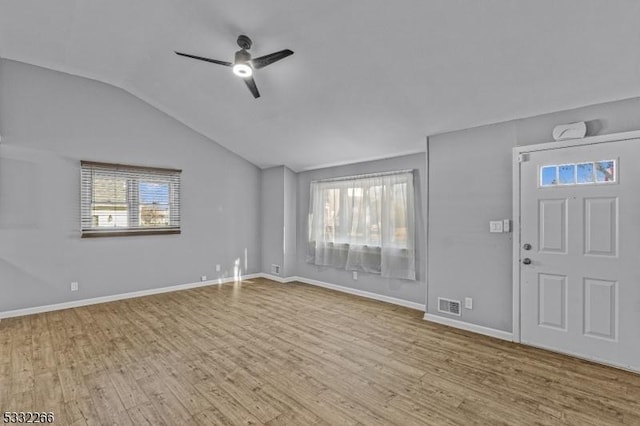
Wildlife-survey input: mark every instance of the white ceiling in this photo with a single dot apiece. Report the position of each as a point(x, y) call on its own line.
point(369, 78)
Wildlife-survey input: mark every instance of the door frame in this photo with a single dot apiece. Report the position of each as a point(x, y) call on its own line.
point(519, 153)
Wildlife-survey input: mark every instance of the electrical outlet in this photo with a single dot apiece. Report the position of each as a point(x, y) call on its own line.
point(275, 269)
point(495, 226)
point(468, 303)
point(74, 286)
point(217, 268)
point(355, 275)
point(203, 278)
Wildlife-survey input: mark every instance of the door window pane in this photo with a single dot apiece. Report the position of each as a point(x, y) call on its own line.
point(606, 171)
point(603, 171)
point(567, 174)
point(585, 173)
point(548, 176)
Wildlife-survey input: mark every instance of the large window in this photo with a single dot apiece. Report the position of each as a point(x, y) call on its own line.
point(364, 223)
point(129, 200)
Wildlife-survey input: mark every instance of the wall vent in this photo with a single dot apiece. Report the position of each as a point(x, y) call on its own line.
point(449, 306)
point(275, 269)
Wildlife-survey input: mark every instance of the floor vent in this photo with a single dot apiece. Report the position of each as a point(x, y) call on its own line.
point(449, 306)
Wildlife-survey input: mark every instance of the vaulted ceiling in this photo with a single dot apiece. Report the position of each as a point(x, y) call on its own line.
point(369, 78)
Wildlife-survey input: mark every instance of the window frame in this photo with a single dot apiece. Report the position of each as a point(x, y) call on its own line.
point(390, 258)
point(336, 184)
point(154, 174)
point(575, 182)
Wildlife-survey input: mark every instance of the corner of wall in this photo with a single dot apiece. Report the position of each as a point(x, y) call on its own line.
point(278, 207)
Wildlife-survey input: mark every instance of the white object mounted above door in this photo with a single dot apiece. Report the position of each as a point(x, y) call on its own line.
point(565, 132)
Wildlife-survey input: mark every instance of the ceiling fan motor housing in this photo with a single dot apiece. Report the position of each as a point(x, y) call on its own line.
point(242, 57)
point(244, 41)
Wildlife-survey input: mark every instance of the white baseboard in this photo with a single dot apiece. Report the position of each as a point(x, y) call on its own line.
point(149, 292)
point(412, 305)
point(362, 293)
point(282, 280)
point(499, 334)
point(121, 296)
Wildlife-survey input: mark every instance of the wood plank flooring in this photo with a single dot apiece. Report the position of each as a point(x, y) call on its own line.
point(259, 352)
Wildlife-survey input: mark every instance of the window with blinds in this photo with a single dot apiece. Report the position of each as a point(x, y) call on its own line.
point(118, 200)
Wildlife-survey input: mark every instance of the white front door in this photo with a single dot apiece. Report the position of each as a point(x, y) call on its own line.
point(580, 251)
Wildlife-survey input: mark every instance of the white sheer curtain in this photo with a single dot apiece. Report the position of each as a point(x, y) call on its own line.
point(364, 223)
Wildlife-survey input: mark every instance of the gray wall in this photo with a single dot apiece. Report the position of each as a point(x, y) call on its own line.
point(278, 210)
point(412, 291)
point(470, 184)
point(49, 121)
point(272, 218)
point(290, 224)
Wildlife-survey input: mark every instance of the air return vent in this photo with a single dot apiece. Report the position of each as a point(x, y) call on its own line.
point(449, 306)
point(275, 269)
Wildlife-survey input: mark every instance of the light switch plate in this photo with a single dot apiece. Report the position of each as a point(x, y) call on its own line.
point(495, 226)
point(506, 225)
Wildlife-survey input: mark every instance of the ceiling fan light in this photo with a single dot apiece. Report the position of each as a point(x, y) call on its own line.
point(242, 70)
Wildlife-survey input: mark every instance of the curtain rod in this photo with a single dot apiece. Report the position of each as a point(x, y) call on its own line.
point(367, 175)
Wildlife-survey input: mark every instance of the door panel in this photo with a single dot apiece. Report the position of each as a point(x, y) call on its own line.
point(600, 308)
point(601, 226)
point(553, 226)
point(580, 281)
point(552, 309)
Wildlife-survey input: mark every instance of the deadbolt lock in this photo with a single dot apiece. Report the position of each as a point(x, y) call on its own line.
point(527, 246)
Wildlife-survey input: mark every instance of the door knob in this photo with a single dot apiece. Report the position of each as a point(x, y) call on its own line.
point(526, 261)
point(527, 246)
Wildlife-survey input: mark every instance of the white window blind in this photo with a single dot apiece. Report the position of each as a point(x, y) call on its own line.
point(118, 200)
point(364, 223)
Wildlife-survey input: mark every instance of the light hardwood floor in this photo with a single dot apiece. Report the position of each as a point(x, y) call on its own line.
point(259, 352)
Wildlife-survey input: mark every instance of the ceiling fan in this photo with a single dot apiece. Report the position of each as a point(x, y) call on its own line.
point(243, 65)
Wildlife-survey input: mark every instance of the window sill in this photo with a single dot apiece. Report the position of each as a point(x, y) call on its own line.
point(338, 244)
point(128, 232)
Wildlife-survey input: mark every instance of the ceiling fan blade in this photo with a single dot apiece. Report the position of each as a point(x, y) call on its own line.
point(251, 84)
point(265, 60)
point(201, 58)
